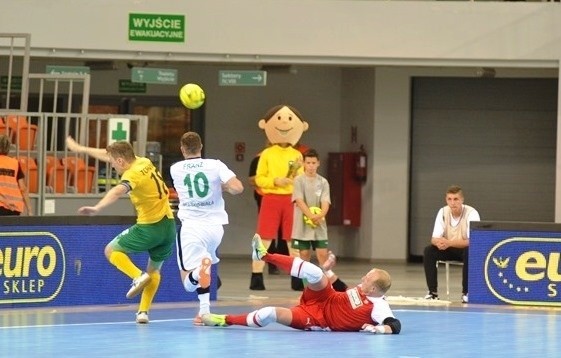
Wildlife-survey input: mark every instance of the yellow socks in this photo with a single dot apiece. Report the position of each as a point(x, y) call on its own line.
point(124, 264)
point(149, 292)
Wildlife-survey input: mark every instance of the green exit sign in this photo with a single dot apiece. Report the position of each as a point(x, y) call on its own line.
point(127, 86)
point(157, 27)
point(242, 78)
point(15, 83)
point(163, 76)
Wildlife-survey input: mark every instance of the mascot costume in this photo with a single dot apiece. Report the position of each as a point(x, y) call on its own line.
point(278, 165)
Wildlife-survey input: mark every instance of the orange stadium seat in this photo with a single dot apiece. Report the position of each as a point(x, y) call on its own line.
point(29, 168)
point(55, 174)
point(81, 176)
point(22, 133)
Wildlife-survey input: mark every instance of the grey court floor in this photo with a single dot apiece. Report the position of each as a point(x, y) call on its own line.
point(430, 329)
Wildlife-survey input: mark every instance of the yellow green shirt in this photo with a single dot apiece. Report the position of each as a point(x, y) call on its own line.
point(147, 191)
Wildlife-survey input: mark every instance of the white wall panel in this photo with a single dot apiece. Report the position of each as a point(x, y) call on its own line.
point(315, 31)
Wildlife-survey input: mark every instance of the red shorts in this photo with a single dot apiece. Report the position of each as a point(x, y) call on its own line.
point(308, 315)
point(276, 212)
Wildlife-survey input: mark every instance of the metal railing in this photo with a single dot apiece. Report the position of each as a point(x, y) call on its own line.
point(51, 170)
point(17, 49)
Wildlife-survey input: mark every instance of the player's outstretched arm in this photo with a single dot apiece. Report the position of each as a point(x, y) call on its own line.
point(112, 196)
point(97, 153)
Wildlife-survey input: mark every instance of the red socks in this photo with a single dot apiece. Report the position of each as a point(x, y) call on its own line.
point(283, 262)
point(238, 320)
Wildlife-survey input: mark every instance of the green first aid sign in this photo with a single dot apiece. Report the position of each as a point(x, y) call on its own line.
point(157, 27)
point(118, 129)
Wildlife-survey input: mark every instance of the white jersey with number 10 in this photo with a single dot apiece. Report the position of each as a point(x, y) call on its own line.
point(198, 183)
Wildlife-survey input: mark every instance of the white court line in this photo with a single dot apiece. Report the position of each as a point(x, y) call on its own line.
point(475, 312)
point(95, 323)
point(190, 319)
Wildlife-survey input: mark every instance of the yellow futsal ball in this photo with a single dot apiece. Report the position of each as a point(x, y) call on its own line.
point(314, 210)
point(192, 96)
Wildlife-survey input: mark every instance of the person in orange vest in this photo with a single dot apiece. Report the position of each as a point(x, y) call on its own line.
point(14, 199)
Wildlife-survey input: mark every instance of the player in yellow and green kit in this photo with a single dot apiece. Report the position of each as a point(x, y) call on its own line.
point(154, 231)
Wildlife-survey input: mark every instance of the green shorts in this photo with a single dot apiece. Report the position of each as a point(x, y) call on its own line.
point(157, 239)
point(306, 245)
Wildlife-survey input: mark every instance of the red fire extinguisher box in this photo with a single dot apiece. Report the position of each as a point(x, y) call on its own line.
point(346, 172)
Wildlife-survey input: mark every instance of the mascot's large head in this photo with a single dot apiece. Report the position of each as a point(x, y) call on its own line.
point(283, 124)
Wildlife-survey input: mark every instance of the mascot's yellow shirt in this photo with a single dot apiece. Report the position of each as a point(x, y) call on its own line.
point(274, 163)
point(147, 191)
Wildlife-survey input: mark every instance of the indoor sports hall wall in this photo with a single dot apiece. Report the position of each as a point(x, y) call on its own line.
point(315, 31)
point(495, 138)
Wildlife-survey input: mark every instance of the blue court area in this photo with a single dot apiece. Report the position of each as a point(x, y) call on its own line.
point(427, 332)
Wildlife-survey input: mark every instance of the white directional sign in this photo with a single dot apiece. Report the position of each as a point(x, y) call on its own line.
point(242, 78)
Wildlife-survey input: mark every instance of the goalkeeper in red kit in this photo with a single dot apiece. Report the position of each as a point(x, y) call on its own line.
point(360, 309)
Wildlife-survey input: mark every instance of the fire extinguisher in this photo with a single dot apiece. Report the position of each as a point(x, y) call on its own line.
point(360, 169)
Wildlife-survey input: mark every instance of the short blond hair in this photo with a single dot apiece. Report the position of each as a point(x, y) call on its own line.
point(383, 281)
point(121, 149)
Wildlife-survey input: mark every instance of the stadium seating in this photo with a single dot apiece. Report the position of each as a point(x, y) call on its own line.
point(29, 168)
point(56, 175)
point(81, 176)
point(22, 133)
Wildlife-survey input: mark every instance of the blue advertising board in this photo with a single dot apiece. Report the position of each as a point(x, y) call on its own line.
point(48, 261)
point(515, 263)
